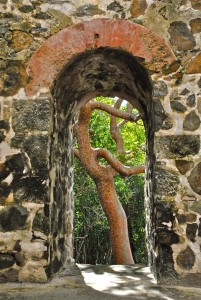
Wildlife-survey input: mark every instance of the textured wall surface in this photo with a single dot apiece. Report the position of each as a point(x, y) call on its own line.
point(36, 206)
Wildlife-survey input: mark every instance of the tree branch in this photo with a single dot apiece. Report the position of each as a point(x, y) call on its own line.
point(114, 111)
point(117, 165)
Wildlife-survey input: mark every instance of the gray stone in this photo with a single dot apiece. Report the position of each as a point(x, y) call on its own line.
point(195, 179)
point(5, 190)
point(191, 121)
point(177, 106)
point(199, 105)
point(177, 146)
point(191, 231)
point(167, 237)
point(17, 216)
point(115, 6)
point(9, 276)
point(31, 115)
point(41, 223)
point(191, 100)
point(6, 261)
point(183, 145)
point(30, 188)
point(199, 228)
point(183, 166)
point(166, 182)
point(196, 207)
point(184, 218)
point(186, 259)
point(36, 148)
point(181, 37)
point(26, 8)
point(199, 82)
point(161, 118)
point(160, 89)
point(184, 92)
point(13, 73)
point(88, 10)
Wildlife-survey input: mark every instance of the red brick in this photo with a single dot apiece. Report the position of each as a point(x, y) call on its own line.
point(53, 55)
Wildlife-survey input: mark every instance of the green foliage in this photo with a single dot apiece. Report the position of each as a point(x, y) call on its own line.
point(92, 243)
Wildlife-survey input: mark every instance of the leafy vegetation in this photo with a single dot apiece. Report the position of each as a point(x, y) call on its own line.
point(92, 242)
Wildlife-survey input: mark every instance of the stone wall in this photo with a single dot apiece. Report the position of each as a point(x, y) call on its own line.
point(26, 188)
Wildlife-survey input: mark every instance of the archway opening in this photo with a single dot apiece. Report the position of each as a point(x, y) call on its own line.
point(125, 142)
point(103, 71)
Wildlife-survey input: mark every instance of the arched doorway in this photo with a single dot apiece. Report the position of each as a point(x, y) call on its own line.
point(101, 57)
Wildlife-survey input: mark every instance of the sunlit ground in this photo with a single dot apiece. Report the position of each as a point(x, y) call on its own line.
point(122, 280)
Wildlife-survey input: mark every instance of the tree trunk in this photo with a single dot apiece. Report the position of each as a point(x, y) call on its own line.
point(117, 221)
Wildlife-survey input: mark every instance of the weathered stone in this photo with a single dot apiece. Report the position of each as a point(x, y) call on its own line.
point(17, 216)
point(199, 82)
point(2, 136)
point(180, 36)
point(36, 148)
point(177, 146)
point(62, 19)
point(184, 218)
point(4, 125)
point(41, 223)
point(42, 15)
point(26, 8)
point(21, 40)
point(20, 259)
point(138, 8)
point(31, 115)
point(196, 4)
point(30, 188)
point(167, 237)
point(191, 218)
point(191, 121)
point(199, 105)
point(186, 259)
point(115, 6)
point(191, 100)
point(159, 88)
point(33, 271)
point(183, 145)
point(4, 49)
point(196, 207)
point(161, 118)
point(178, 106)
point(195, 179)
point(165, 265)
point(185, 92)
point(17, 163)
point(13, 77)
point(191, 231)
point(183, 166)
point(88, 10)
point(6, 261)
point(10, 275)
point(166, 182)
point(194, 65)
point(199, 228)
point(5, 190)
point(195, 25)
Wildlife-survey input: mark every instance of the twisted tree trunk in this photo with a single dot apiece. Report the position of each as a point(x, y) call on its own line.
point(103, 176)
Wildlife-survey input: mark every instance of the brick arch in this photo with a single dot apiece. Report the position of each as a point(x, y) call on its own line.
point(57, 50)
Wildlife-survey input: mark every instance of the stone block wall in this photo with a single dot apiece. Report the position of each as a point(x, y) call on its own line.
point(26, 126)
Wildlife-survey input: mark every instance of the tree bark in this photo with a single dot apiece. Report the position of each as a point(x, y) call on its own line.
point(103, 177)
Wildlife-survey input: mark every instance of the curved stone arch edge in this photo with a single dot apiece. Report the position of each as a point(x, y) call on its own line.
point(51, 57)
